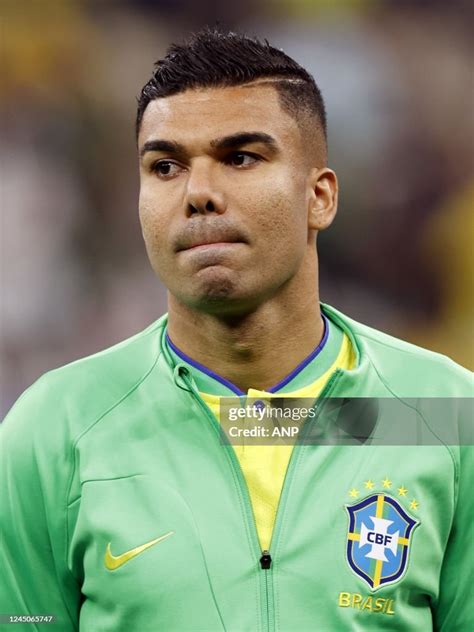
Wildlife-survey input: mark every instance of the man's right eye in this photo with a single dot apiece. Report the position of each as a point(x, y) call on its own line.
point(165, 168)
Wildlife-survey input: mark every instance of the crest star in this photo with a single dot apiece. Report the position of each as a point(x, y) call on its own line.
point(402, 491)
point(414, 504)
point(386, 483)
point(369, 484)
point(354, 492)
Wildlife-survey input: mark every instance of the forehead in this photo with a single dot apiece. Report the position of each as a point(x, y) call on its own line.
point(205, 114)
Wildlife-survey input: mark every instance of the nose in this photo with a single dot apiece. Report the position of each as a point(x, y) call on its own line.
point(203, 194)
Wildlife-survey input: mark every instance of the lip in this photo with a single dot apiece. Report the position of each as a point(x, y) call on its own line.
point(211, 244)
point(199, 235)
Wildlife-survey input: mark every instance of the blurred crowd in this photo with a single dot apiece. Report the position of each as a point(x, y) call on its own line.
point(397, 78)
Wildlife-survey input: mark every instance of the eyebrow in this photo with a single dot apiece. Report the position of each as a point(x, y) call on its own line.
point(244, 138)
point(226, 142)
point(166, 146)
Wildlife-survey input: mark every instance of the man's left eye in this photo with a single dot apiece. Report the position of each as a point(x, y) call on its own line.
point(240, 159)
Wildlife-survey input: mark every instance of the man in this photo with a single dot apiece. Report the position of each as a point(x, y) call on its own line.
point(123, 507)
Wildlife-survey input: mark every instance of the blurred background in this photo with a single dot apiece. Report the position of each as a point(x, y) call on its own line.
point(397, 77)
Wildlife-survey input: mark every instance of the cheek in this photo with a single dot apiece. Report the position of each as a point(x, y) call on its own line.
point(153, 218)
point(281, 218)
point(155, 231)
point(150, 224)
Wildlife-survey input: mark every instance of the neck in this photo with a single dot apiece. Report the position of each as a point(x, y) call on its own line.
point(257, 350)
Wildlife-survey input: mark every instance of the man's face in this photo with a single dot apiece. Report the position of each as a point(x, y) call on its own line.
point(224, 196)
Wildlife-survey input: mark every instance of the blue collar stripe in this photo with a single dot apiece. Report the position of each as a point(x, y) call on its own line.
point(204, 369)
point(306, 361)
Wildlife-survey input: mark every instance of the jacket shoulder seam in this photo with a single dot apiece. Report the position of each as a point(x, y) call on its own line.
point(402, 401)
point(417, 351)
point(97, 420)
point(116, 403)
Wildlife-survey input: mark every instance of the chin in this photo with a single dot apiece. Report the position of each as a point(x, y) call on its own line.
point(217, 292)
point(215, 283)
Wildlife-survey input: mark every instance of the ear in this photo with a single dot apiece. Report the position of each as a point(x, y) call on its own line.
point(322, 198)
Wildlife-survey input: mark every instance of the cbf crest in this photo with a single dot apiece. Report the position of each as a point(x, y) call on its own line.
point(379, 539)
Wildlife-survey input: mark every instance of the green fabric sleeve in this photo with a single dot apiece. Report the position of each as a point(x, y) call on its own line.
point(455, 607)
point(34, 474)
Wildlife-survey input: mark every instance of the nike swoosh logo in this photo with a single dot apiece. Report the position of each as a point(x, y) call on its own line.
point(112, 562)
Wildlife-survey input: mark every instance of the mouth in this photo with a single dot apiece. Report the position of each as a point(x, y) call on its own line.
point(211, 245)
point(210, 238)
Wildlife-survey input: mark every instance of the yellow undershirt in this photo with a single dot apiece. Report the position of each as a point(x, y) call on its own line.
point(264, 466)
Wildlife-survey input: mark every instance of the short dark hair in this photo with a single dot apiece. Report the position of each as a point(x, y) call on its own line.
point(212, 58)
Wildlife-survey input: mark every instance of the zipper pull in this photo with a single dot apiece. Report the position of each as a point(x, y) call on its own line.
point(266, 560)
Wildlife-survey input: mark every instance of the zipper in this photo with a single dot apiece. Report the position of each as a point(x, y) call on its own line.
point(266, 560)
point(294, 457)
point(264, 557)
point(260, 555)
point(265, 564)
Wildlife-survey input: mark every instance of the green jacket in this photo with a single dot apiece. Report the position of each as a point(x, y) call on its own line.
point(117, 451)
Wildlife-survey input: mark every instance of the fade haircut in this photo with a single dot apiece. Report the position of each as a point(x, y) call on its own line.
point(213, 59)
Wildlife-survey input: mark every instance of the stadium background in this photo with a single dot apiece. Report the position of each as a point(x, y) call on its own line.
point(397, 79)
